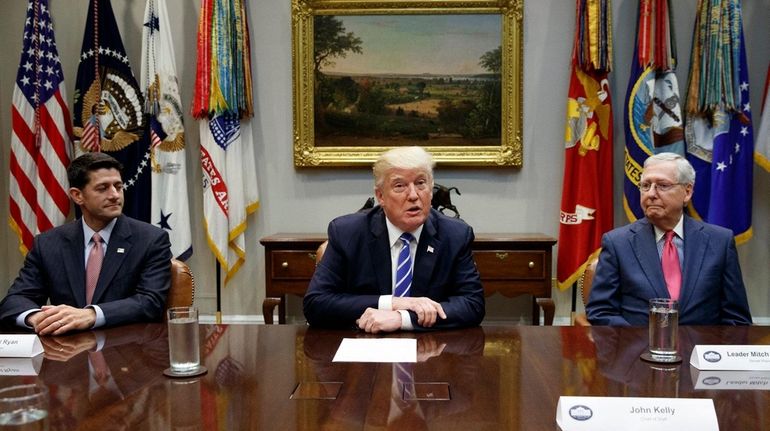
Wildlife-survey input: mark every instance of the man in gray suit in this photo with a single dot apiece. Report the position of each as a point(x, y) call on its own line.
point(633, 265)
point(127, 261)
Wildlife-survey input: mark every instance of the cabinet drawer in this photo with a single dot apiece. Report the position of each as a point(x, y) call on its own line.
point(292, 265)
point(507, 264)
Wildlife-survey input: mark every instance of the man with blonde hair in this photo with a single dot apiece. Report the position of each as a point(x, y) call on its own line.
point(401, 265)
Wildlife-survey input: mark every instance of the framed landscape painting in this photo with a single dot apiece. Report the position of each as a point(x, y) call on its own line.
point(372, 75)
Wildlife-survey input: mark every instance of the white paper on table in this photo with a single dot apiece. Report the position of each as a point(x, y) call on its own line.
point(20, 345)
point(377, 350)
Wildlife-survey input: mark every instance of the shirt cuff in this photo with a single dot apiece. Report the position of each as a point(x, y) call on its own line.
point(21, 319)
point(406, 320)
point(385, 302)
point(100, 319)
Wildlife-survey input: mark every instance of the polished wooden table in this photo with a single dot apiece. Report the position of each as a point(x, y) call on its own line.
point(281, 377)
point(510, 264)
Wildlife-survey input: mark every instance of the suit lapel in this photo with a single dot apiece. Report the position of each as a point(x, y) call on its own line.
point(379, 249)
point(695, 244)
point(74, 263)
point(117, 250)
point(424, 261)
point(646, 251)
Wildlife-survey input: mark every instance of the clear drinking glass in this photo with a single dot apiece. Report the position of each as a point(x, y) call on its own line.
point(24, 408)
point(183, 340)
point(664, 328)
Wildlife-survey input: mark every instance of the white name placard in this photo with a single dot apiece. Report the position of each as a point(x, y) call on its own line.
point(630, 414)
point(731, 380)
point(730, 357)
point(20, 345)
point(21, 366)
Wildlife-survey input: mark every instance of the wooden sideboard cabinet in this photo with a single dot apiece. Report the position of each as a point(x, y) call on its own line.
point(509, 264)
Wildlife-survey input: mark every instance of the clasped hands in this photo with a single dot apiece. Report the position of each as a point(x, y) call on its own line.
point(428, 311)
point(61, 319)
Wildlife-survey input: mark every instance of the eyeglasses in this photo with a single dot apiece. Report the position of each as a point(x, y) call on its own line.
point(661, 187)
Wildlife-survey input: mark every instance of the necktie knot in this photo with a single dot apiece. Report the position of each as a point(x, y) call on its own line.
point(406, 238)
point(96, 238)
point(670, 236)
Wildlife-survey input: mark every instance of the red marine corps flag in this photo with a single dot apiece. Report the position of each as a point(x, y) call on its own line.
point(586, 202)
point(40, 142)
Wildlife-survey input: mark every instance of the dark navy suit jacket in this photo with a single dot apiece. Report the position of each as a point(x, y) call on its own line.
point(629, 274)
point(132, 286)
point(356, 270)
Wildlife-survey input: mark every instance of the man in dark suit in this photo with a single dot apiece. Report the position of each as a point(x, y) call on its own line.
point(130, 281)
point(641, 261)
point(402, 265)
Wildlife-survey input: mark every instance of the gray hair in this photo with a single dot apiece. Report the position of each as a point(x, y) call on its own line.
point(684, 170)
point(403, 158)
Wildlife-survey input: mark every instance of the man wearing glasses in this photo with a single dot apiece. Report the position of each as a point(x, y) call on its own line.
point(401, 265)
point(668, 254)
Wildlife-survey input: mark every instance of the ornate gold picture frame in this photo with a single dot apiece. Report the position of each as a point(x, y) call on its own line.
point(361, 86)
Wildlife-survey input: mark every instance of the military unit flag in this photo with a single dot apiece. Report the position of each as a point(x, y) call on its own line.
point(222, 101)
point(169, 201)
point(586, 203)
point(40, 139)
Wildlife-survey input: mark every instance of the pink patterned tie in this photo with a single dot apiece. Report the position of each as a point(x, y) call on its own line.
point(672, 271)
point(94, 265)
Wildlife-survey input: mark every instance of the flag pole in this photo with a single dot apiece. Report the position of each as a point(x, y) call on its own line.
point(219, 297)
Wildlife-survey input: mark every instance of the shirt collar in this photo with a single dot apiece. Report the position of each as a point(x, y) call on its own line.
point(394, 233)
point(105, 233)
point(678, 230)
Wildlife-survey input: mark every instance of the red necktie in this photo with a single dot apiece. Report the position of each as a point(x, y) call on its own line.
point(672, 271)
point(94, 265)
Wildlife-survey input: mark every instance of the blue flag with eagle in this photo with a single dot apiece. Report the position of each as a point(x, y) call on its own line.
point(109, 107)
point(170, 204)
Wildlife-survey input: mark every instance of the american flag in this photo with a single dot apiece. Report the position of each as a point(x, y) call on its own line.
point(40, 142)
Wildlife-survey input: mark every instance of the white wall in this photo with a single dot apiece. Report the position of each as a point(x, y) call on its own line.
point(493, 199)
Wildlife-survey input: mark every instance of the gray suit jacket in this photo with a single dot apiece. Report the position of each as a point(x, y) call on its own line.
point(629, 274)
point(132, 286)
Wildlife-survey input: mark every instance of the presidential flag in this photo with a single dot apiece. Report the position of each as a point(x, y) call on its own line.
point(720, 142)
point(222, 102)
point(586, 203)
point(653, 120)
point(169, 202)
point(109, 107)
point(40, 138)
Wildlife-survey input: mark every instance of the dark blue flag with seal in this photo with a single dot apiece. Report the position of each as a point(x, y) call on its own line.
point(107, 95)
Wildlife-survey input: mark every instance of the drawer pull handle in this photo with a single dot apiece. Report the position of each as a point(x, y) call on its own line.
point(531, 265)
point(285, 265)
point(501, 256)
point(312, 256)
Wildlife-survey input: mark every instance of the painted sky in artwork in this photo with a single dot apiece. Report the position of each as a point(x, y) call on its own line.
point(419, 44)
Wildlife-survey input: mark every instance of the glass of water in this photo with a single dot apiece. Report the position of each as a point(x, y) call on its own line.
point(24, 408)
point(664, 328)
point(183, 340)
